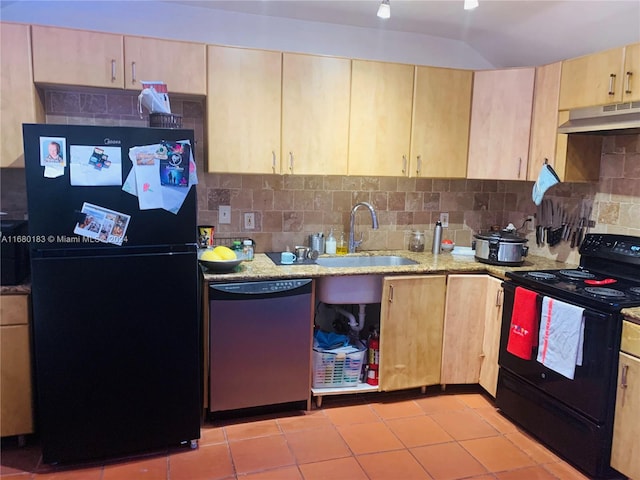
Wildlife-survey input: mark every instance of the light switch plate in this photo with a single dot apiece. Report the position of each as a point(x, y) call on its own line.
point(444, 219)
point(249, 221)
point(224, 214)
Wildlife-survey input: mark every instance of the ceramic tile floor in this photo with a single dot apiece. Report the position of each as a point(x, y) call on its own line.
point(372, 436)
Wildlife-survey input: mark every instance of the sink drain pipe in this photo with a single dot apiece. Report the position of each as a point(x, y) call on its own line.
point(353, 324)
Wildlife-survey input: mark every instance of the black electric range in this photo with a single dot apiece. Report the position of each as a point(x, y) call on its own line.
point(607, 279)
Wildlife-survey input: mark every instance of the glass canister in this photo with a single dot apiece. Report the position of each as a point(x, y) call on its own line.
point(416, 241)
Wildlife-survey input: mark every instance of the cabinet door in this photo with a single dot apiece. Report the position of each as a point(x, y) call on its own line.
point(592, 80)
point(491, 338)
point(631, 84)
point(411, 317)
point(625, 449)
point(315, 114)
point(500, 124)
point(544, 120)
point(77, 57)
point(19, 102)
point(440, 127)
point(463, 328)
point(380, 125)
point(243, 110)
point(181, 65)
point(16, 415)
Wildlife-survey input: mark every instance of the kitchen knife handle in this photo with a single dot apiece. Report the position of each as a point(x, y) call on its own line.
point(612, 80)
point(627, 89)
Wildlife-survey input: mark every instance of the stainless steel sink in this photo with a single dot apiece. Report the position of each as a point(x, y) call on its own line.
point(365, 261)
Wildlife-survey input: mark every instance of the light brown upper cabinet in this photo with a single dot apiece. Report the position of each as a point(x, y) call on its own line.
point(315, 114)
point(631, 85)
point(500, 124)
point(440, 126)
point(181, 65)
point(19, 102)
point(601, 78)
point(243, 110)
point(380, 125)
point(575, 157)
point(64, 56)
point(76, 57)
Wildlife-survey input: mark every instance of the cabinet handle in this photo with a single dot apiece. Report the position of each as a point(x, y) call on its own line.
point(113, 70)
point(612, 79)
point(627, 90)
point(404, 164)
point(273, 161)
point(390, 293)
point(623, 380)
point(499, 298)
point(419, 165)
point(133, 72)
point(519, 166)
point(291, 162)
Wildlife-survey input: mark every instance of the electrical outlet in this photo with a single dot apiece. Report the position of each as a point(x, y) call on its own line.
point(444, 219)
point(531, 223)
point(224, 214)
point(249, 221)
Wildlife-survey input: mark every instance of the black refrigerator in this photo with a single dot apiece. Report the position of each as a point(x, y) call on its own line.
point(115, 289)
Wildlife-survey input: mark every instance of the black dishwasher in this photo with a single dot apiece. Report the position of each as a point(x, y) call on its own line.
point(259, 343)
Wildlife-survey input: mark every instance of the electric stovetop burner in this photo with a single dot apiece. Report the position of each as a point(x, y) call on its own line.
point(635, 290)
point(543, 276)
point(577, 274)
point(604, 292)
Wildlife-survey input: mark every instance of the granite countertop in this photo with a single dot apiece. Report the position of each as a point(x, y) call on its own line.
point(22, 289)
point(262, 268)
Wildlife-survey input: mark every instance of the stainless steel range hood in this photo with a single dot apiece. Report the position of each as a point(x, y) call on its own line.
point(618, 119)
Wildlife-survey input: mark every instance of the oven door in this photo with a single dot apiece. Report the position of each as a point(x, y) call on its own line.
point(591, 389)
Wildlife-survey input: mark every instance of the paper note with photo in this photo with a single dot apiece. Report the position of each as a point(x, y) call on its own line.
point(174, 196)
point(146, 167)
point(95, 166)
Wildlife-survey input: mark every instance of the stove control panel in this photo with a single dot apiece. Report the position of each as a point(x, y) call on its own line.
point(609, 245)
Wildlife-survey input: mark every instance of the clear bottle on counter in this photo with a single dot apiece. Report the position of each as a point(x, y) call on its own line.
point(247, 250)
point(341, 248)
point(330, 245)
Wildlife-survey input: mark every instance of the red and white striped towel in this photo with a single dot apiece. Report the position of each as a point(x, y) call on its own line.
point(561, 336)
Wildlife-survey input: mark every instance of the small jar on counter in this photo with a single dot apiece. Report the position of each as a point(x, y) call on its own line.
point(416, 241)
point(247, 250)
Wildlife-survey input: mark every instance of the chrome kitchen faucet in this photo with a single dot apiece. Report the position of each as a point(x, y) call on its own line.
point(353, 243)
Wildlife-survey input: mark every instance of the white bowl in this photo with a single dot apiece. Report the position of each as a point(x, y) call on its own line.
point(447, 247)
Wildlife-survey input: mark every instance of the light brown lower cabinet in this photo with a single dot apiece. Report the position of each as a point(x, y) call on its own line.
point(16, 408)
point(625, 450)
point(411, 320)
point(471, 338)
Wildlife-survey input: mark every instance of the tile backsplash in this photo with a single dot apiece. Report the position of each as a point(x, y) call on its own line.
point(287, 208)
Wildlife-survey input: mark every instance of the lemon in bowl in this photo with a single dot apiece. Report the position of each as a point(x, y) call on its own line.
point(220, 259)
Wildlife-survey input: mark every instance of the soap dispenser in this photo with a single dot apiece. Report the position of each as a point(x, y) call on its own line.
point(330, 244)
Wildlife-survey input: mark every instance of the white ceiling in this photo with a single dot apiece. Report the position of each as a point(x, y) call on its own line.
point(505, 32)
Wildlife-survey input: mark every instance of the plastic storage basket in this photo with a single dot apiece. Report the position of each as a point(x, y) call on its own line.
point(337, 369)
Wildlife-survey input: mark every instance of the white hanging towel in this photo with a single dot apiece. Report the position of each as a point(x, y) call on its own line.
point(561, 336)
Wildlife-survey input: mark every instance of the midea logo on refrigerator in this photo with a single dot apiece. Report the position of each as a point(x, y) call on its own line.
point(108, 141)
